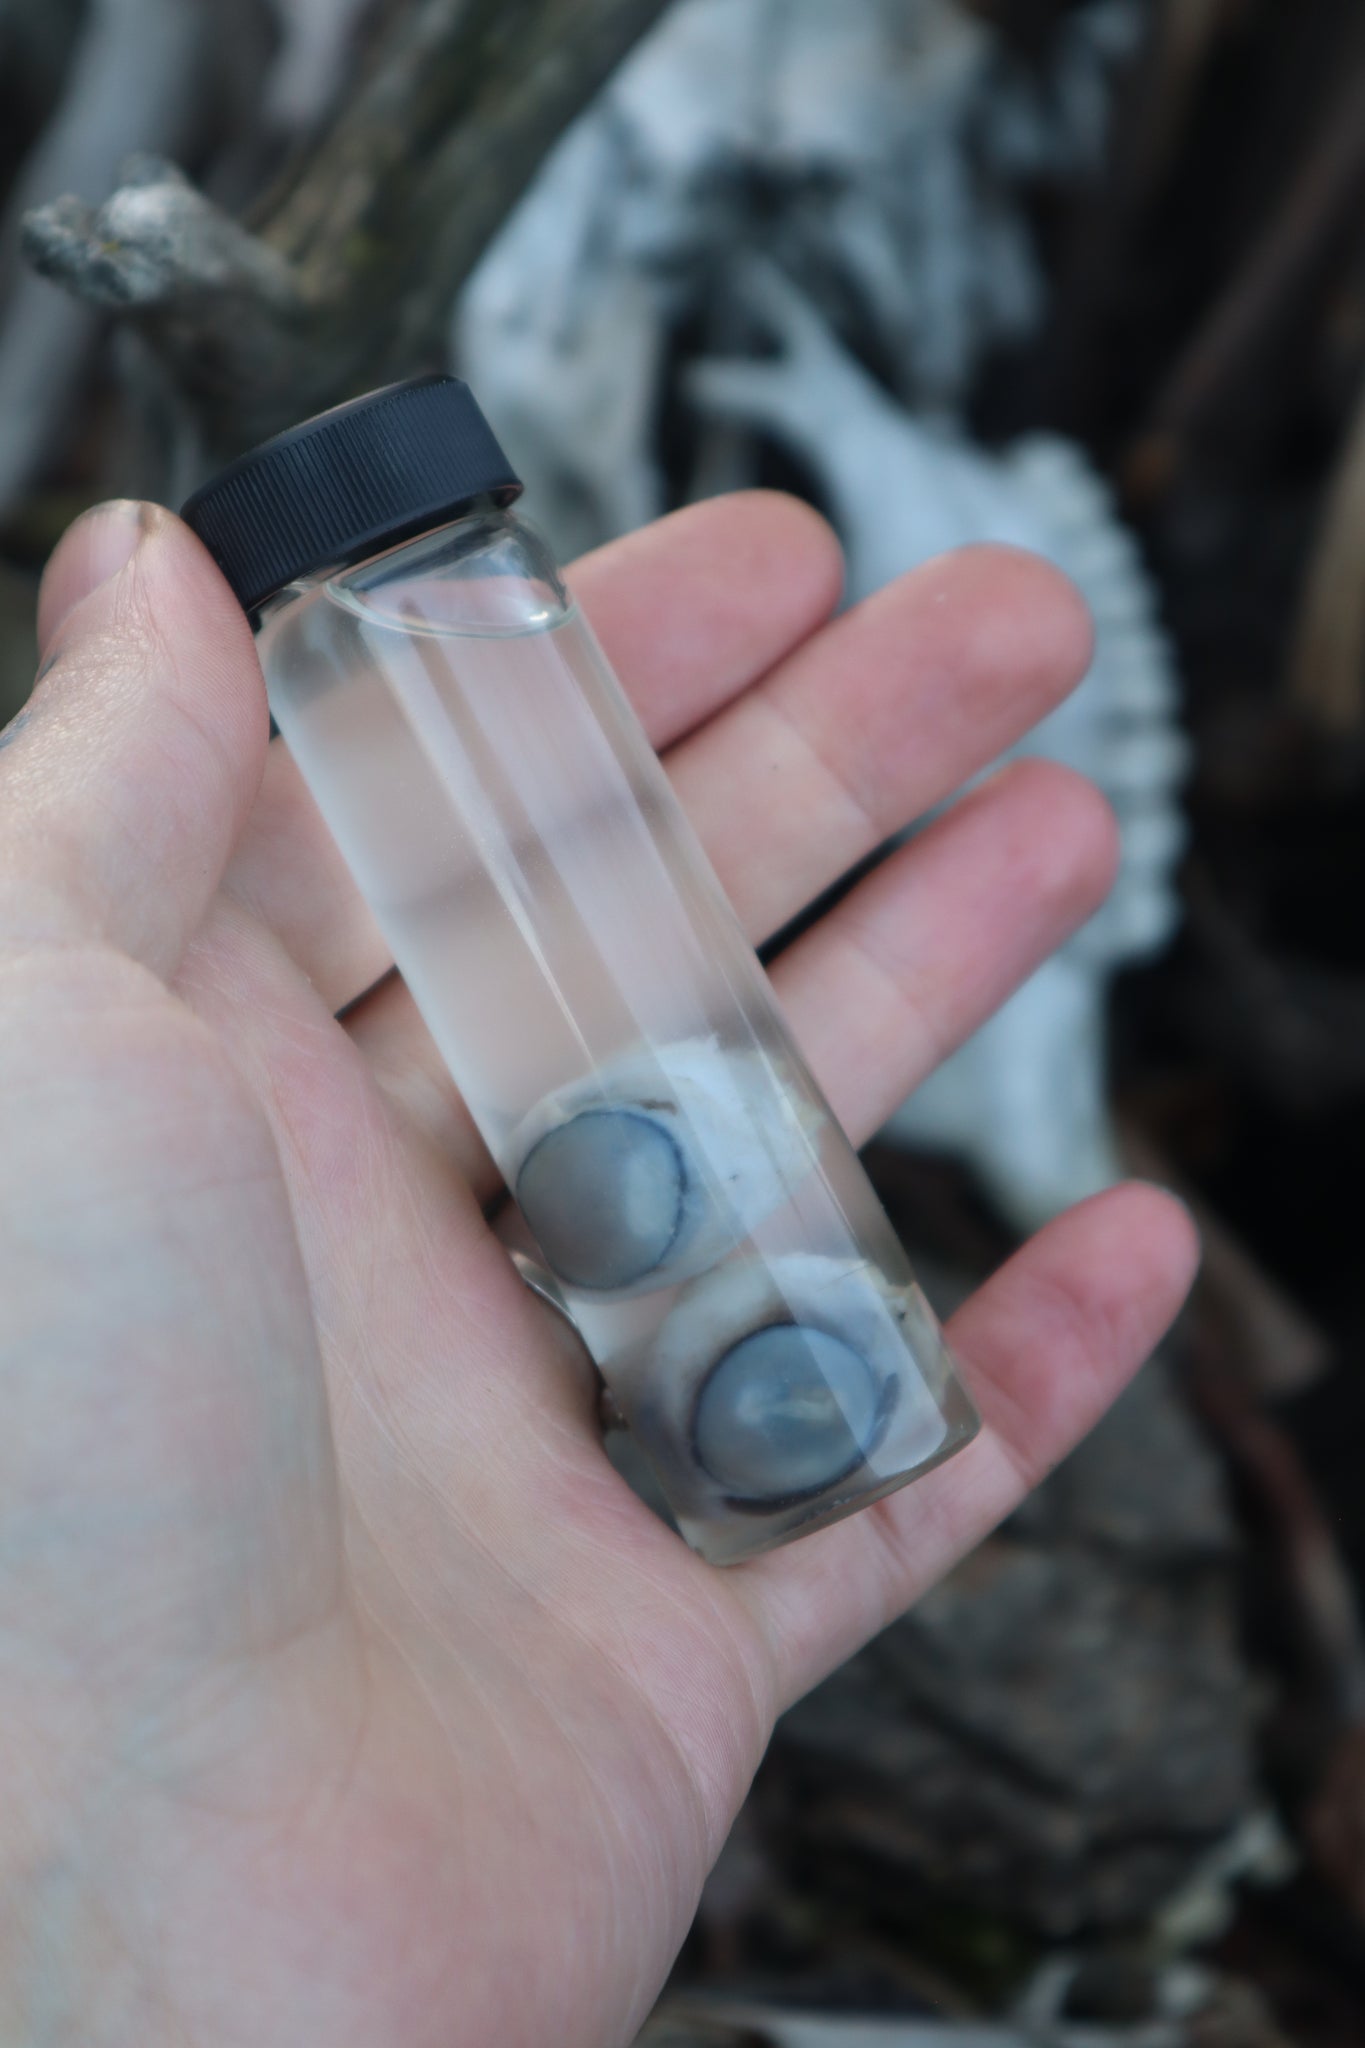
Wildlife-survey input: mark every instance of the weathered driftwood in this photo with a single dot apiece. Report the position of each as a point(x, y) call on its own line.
point(131, 83)
point(346, 274)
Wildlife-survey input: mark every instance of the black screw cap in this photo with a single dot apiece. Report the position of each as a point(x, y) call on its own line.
point(349, 483)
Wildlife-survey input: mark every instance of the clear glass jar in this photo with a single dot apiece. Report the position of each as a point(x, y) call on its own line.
point(710, 1227)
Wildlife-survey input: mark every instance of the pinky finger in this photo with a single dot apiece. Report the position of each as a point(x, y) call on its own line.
point(1045, 1346)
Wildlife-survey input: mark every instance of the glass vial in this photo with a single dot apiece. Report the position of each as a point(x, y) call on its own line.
point(609, 1027)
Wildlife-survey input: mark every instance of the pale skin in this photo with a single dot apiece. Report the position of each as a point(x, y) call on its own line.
point(347, 1696)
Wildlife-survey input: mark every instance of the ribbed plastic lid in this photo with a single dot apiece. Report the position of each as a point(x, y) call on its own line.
point(347, 483)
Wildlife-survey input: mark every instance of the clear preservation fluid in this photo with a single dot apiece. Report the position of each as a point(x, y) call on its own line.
point(612, 1034)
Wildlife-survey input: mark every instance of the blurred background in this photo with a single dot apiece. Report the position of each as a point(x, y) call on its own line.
point(1085, 275)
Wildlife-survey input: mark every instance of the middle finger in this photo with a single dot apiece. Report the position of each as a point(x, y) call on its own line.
point(893, 979)
point(874, 720)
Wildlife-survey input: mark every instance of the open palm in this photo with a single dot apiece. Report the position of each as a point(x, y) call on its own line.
point(346, 1694)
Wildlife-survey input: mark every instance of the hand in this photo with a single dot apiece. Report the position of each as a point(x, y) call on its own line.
point(347, 1696)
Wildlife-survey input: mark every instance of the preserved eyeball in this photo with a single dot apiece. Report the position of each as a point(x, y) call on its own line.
point(654, 1170)
point(789, 1410)
point(773, 1380)
point(606, 1196)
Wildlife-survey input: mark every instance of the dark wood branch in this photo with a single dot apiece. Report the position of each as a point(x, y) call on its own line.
point(1238, 1312)
point(1188, 36)
point(346, 274)
point(1327, 660)
point(225, 315)
point(1027, 26)
point(1285, 271)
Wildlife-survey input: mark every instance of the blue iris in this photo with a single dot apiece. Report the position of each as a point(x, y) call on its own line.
point(788, 1411)
point(605, 1195)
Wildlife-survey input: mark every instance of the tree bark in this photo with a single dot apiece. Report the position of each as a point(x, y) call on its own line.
point(346, 273)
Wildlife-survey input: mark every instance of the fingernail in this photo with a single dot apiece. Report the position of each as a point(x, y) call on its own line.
point(107, 537)
point(94, 550)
